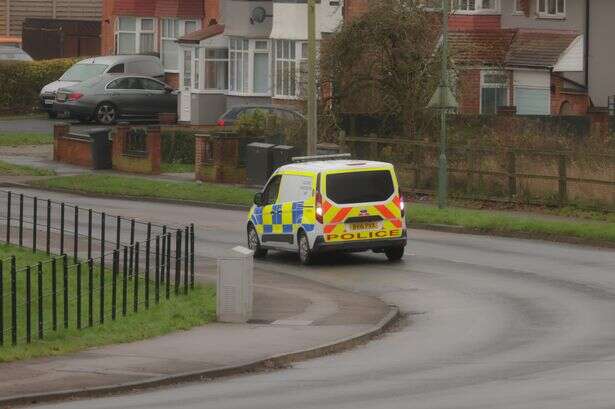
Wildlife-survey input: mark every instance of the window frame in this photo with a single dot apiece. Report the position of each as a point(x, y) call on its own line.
point(297, 60)
point(478, 7)
point(484, 85)
point(248, 52)
point(138, 31)
point(559, 15)
point(203, 64)
point(178, 30)
point(518, 8)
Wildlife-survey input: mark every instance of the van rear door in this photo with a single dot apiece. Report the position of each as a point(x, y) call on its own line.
point(361, 205)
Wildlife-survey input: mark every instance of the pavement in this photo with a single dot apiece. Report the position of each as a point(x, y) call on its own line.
point(40, 124)
point(290, 314)
point(493, 323)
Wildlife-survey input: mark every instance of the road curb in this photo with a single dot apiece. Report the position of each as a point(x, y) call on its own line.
point(419, 226)
point(277, 361)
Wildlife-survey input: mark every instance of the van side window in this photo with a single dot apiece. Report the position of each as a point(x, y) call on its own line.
point(295, 188)
point(116, 69)
point(271, 191)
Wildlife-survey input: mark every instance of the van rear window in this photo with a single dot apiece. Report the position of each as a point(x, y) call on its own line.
point(360, 187)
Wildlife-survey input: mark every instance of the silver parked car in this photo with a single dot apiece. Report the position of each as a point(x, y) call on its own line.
point(147, 65)
point(109, 97)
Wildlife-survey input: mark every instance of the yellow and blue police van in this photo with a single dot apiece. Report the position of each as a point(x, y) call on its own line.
point(321, 204)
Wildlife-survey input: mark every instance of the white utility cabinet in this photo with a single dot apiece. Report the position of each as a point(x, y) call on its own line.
point(235, 279)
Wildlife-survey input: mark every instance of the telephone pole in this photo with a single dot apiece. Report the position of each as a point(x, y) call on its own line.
point(312, 131)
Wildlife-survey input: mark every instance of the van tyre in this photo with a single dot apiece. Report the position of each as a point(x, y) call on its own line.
point(106, 113)
point(254, 243)
point(395, 253)
point(306, 256)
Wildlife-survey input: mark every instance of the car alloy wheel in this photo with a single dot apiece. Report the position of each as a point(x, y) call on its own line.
point(106, 114)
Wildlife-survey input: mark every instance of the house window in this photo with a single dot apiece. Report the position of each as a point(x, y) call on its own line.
point(216, 69)
point(197, 76)
point(290, 68)
point(260, 77)
point(476, 5)
point(519, 7)
point(493, 91)
point(239, 65)
point(172, 29)
point(552, 8)
point(135, 35)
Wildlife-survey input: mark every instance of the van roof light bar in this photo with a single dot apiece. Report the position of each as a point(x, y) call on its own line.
point(321, 157)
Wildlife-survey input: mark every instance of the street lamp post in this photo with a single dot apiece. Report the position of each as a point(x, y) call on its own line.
point(312, 137)
point(442, 164)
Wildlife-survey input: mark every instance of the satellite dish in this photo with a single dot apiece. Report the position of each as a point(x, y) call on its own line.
point(258, 15)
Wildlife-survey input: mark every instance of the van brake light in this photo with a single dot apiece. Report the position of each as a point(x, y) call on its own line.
point(319, 211)
point(402, 205)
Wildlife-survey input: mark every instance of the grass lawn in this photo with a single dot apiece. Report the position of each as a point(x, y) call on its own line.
point(8, 169)
point(480, 220)
point(141, 187)
point(19, 139)
point(177, 313)
point(177, 167)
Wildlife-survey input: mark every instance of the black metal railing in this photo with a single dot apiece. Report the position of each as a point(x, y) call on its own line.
point(91, 267)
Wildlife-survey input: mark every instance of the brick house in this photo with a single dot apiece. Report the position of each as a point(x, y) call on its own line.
point(221, 53)
point(544, 57)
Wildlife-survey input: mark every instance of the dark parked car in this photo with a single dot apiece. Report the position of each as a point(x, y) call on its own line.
point(108, 98)
point(229, 118)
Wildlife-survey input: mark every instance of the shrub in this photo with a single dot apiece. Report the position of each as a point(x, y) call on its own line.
point(22, 81)
point(177, 147)
point(272, 129)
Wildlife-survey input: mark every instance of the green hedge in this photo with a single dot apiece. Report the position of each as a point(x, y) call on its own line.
point(21, 82)
point(177, 147)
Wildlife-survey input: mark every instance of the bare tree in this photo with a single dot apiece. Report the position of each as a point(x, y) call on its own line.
point(384, 63)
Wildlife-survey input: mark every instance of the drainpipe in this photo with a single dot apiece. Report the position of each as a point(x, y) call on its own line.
point(587, 21)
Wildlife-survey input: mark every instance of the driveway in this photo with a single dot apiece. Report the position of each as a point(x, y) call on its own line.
point(42, 125)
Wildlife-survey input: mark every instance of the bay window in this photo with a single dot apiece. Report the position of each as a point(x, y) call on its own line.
point(290, 68)
point(552, 8)
point(249, 67)
point(171, 30)
point(493, 91)
point(135, 35)
point(216, 69)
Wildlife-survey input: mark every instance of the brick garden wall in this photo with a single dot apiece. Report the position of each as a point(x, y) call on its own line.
point(71, 149)
point(148, 163)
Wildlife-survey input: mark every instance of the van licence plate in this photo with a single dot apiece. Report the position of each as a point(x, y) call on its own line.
point(363, 226)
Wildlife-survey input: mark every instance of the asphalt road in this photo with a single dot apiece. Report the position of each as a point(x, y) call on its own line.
point(43, 125)
point(493, 323)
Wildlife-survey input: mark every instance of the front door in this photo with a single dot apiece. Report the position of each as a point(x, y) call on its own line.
point(185, 85)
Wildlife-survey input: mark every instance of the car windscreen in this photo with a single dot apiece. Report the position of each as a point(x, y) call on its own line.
point(359, 187)
point(82, 72)
point(232, 114)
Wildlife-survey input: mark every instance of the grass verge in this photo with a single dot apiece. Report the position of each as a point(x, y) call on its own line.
point(499, 222)
point(177, 167)
point(20, 139)
point(8, 169)
point(177, 313)
point(478, 220)
point(148, 188)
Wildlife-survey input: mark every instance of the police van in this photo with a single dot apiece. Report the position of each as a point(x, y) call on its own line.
point(327, 203)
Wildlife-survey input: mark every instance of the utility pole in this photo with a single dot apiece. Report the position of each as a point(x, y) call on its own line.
point(312, 134)
point(442, 165)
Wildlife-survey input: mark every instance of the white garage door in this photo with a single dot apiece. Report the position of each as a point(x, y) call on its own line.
point(531, 101)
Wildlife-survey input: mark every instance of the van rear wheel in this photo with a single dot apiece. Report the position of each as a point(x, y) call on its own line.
point(395, 253)
point(306, 256)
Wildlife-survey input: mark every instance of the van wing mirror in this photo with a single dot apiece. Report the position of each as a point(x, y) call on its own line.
point(258, 199)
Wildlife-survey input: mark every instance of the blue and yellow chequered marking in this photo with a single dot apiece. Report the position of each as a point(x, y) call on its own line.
point(284, 218)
